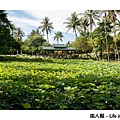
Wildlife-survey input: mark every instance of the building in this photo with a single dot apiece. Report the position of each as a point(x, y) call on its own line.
point(58, 51)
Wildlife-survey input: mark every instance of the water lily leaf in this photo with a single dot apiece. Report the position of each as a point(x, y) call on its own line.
point(26, 105)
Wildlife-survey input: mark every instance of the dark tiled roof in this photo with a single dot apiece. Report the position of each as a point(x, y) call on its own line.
point(58, 47)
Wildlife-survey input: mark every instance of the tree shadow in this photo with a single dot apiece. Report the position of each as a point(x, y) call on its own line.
point(22, 59)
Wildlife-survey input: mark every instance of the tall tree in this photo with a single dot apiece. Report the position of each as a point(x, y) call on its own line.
point(19, 34)
point(106, 34)
point(13, 30)
point(73, 23)
point(91, 15)
point(58, 36)
point(112, 16)
point(3, 19)
point(84, 25)
point(81, 43)
point(34, 32)
point(37, 40)
point(109, 15)
point(46, 26)
point(99, 36)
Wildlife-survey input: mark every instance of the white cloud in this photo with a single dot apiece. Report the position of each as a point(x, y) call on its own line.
point(23, 21)
point(56, 16)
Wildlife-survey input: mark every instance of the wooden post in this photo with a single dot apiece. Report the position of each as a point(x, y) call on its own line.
point(115, 55)
point(66, 54)
point(62, 54)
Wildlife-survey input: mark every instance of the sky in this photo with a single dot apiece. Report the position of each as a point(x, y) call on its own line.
point(27, 14)
point(31, 19)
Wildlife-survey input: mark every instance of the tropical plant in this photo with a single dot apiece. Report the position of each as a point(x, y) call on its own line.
point(81, 43)
point(37, 40)
point(91, 16)
point(112, 16)
point(34, 32)
point(99, 36)
point(34, 42)
point(58, 36)
point(46, 26)
point(84, 25)
point(105, 19)
point(73, 23)
point(19, 34)
point(69, 43)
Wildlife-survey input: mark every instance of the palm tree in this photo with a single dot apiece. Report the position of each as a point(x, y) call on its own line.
point(46, 26)
point(19, 34)
point(84, 25)
point(91, 15)
point(34, 32)
point(73, 23)
point(58, 36)
point(106, 34)
point(3, 19)
point(112, 17)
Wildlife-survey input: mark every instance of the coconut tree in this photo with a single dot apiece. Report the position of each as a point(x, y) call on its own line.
point(58, 36)
point(19, 34)
point(34, 32)
point(105, 20)
point(91, 15)
point(112, 17)
point(73, 22)
point(84, 25)
point(46, 26)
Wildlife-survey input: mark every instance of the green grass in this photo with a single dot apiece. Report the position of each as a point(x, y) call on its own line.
point(59, 84)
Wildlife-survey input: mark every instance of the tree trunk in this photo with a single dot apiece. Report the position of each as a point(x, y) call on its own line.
point(47, 38)
point(96, 56)
point(117, 50)
point(91, 34)
point(108, 57)
point(75, 34)
point(58, 41)
point(116, 44)
point(101, 49)
point(84, 31)
point(92, 38)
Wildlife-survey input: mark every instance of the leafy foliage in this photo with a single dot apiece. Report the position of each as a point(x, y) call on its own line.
point(46, 26)
point(59, 84)
point(73, 22)
point(7, 41)
point(58, 36)
point(82, 43)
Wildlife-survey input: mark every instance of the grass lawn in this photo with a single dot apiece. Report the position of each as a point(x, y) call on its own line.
point(59, 84)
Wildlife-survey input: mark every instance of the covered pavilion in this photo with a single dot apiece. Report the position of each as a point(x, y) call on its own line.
point(58, 51)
